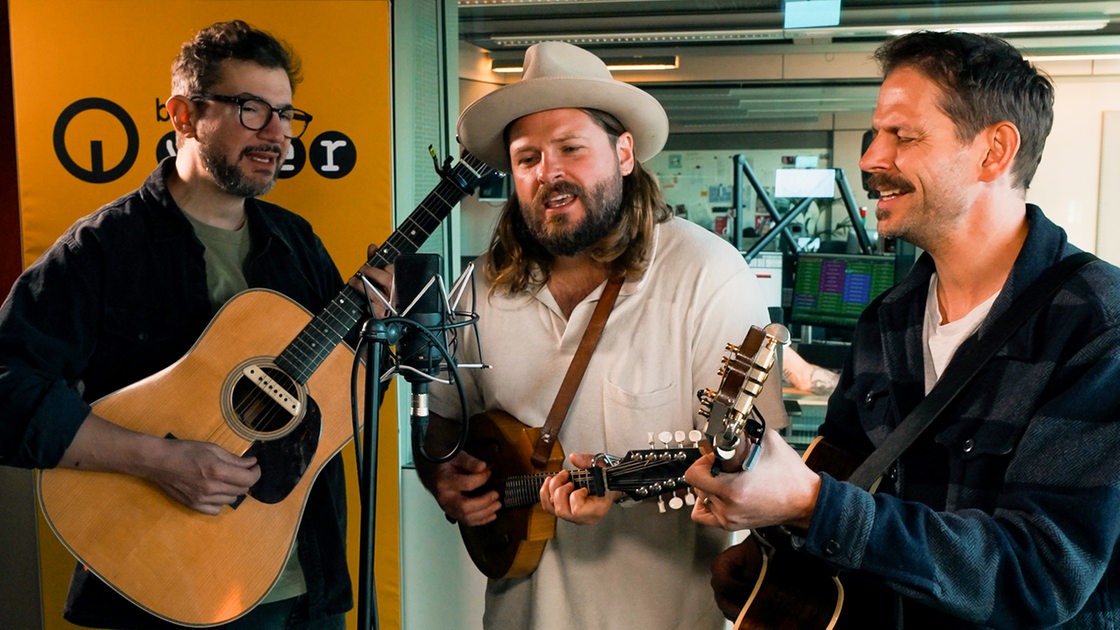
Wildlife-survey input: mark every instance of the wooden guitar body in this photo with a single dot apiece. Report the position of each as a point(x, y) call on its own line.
point(792, 590)
point(172, 561)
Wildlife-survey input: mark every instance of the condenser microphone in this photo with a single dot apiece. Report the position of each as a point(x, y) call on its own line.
point(422, 344)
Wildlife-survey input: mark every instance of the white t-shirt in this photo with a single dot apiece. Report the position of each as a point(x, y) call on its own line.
point(664, 341)
point(942, 340)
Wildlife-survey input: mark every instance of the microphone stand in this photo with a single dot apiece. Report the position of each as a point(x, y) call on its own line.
point(376, 338)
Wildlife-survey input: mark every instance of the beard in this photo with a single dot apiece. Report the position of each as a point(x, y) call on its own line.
point(558, 236)
point(228, 176)
point(926, 224)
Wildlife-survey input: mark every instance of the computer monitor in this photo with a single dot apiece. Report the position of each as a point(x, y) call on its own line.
point(831, 290)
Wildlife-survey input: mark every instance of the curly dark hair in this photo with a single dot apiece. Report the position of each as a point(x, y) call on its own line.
point(196, 68)
point(983, 80)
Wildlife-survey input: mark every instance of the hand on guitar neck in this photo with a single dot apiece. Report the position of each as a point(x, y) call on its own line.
point(779, 490)
point(381, 277)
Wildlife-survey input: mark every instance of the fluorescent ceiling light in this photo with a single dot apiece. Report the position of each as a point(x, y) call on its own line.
point(764, 34)
point(663, 62)
point(1047, 26)
point(1075, 57)
point(653, 37)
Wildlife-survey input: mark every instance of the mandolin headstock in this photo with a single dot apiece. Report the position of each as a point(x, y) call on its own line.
point(658, 472)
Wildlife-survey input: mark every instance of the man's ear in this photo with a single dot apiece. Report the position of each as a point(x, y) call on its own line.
point(1003, 145)
point(624, 147)
point(182, 112)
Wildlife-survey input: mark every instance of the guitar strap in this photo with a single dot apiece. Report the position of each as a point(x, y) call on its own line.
point(574, 375)
point(969, 361)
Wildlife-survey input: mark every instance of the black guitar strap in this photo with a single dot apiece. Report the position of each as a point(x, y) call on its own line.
point(970, 360)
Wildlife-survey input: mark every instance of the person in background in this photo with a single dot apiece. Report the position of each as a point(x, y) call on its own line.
point(585, 211)
point(127, 290)
point(806, 376)
point(1003, 514)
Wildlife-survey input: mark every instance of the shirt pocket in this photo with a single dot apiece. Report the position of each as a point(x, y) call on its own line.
point(630, 416)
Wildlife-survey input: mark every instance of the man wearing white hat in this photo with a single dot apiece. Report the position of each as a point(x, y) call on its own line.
point(585, 211)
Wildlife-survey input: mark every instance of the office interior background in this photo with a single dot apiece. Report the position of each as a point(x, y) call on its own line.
point(760, 112)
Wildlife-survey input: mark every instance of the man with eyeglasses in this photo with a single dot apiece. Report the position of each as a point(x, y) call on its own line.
point(127, 291)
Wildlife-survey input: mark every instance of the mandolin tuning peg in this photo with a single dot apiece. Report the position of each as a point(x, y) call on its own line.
point(695, 436)
point(676, 503)
point(689, 497)
point(665, 437)
point(680, 436)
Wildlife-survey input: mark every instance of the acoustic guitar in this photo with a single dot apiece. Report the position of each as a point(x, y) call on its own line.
point(265, 379)
point(511, 545)
point(791, 590)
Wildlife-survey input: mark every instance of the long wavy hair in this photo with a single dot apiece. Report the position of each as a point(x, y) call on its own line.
point(518, 262)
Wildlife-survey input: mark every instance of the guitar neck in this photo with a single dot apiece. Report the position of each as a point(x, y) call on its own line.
point(524, 490)
point(318, 339)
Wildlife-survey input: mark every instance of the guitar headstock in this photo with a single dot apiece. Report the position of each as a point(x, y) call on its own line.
point(730, 411)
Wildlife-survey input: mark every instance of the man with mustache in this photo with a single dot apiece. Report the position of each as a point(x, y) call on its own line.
point(1003, 512)
point(128, 289)
point(585, 211)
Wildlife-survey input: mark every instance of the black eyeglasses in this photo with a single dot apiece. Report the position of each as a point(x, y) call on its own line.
point(255, 113)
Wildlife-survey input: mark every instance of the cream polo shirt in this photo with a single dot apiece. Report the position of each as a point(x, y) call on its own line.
point(664, 341)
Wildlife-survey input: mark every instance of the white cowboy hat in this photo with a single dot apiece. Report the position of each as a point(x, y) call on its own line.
point(559, 75)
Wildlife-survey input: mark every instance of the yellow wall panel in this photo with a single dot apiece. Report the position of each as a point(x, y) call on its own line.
point(89, 79)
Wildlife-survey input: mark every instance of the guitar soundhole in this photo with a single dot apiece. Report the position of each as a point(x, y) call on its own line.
point(261, 401)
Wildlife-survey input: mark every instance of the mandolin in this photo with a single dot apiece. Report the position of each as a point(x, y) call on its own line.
point(511, 545)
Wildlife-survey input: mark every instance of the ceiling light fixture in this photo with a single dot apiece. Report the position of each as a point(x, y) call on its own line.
point(653, 37)
point(1047, 26)
point(614, 64)
point(837, 32)
point(1075, 57)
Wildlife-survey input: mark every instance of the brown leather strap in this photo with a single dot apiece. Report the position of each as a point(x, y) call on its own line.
point(568, 387)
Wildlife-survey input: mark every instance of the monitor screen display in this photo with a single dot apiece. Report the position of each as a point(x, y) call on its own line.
point(833, 289)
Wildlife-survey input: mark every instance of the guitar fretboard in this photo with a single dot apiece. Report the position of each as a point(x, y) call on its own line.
point(312, 345)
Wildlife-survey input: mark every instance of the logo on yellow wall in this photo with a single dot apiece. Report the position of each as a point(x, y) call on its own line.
point(97, 141)
point(95, 171)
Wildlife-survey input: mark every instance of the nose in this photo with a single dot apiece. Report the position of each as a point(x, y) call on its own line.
point(548, 169)
point(275, 129)
point(874, 157)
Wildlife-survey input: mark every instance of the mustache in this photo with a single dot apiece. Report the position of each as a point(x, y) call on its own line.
point(561, 187)
point(883, 181)
point(263, 148)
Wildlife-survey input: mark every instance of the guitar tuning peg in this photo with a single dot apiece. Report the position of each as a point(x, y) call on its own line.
point(666, 438)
